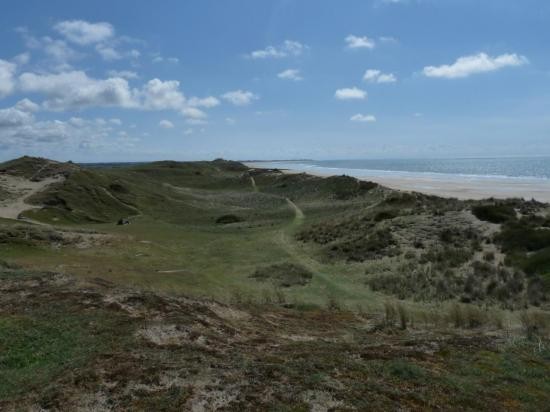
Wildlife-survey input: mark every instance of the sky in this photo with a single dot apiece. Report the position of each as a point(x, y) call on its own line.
point(274, 79)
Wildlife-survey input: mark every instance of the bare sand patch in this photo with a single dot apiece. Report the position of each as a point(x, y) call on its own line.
point(20, 189)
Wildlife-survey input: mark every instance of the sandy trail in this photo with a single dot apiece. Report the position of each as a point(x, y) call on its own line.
point(20, 190)
point(298, 214)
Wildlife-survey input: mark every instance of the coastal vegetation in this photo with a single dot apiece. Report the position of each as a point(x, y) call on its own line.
point(247, 289)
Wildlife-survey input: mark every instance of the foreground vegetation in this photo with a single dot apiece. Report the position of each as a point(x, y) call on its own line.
point(300, 293)
point(88, 345)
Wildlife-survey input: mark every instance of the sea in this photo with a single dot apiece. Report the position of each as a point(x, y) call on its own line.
point(529, 168)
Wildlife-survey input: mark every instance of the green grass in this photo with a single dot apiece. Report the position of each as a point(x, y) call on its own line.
point(37, 348)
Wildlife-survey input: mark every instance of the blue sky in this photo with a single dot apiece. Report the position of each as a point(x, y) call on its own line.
point(248, 79)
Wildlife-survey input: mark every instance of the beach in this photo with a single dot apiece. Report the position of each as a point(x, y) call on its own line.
point(445, 185)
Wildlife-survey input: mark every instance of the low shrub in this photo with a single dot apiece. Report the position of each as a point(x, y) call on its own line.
point(227, 219)
point(284, 275)
point(494, 213)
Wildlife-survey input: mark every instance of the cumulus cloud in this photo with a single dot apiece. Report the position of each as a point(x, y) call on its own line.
point(75, 90)
point(363, 118)
point(166, 124)
point(207, 102)
point(473, 64)
point(19, 129)
point(376, 76)
point(290, 74)
point(110, 53)
point(26, 105)
point(84, 33)
point(288, 48)
point(359, 42)
point(162, 95)
point(193, 113)
point(240, 97)
point(56, 49)
point(13, 117)
point(352, 93)
point(7, 78)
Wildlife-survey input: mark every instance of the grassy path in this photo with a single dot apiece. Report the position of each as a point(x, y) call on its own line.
point(253, 182)
point(329, 280)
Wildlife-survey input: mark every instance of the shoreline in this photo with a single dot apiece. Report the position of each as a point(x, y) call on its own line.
point(450, 186)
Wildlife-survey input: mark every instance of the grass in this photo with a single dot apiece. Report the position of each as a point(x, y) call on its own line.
point(38, 347)
point(351, 236)
point(300, 347)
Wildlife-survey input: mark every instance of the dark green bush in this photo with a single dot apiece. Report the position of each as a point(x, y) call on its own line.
point(284, 274)
point(227, 219)
point(496, 213)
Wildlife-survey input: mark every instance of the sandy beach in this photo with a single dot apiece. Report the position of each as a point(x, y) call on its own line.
point(460, 187)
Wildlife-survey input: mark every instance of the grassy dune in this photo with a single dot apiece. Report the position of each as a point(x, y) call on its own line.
point(429, 299)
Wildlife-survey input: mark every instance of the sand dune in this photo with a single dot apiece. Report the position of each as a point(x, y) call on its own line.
point(20, 189)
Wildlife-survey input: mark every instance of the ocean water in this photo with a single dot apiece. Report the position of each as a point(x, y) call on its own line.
point(531, 168)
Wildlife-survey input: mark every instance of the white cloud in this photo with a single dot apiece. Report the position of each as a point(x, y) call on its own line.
point(357, 42)
point(363, 118)
point(56, 49)
point(22, 59)
point(188, 132)
point(13, 117)
point(207, 102)
point(376, 76)
point(230, 120)
point(7, 78)
point(193, 113)
point(290, 74)
point(166, 124)
point(125, 74)
point(75, 90)
point(27, 105)
point(288, 48)
point(19, 129)
point(83, 33)
point(107, 52)
point(116, 122)
point(110, 53)
point(478, 63)
point(162, 95)
point(239, 97)
point(350, 94)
